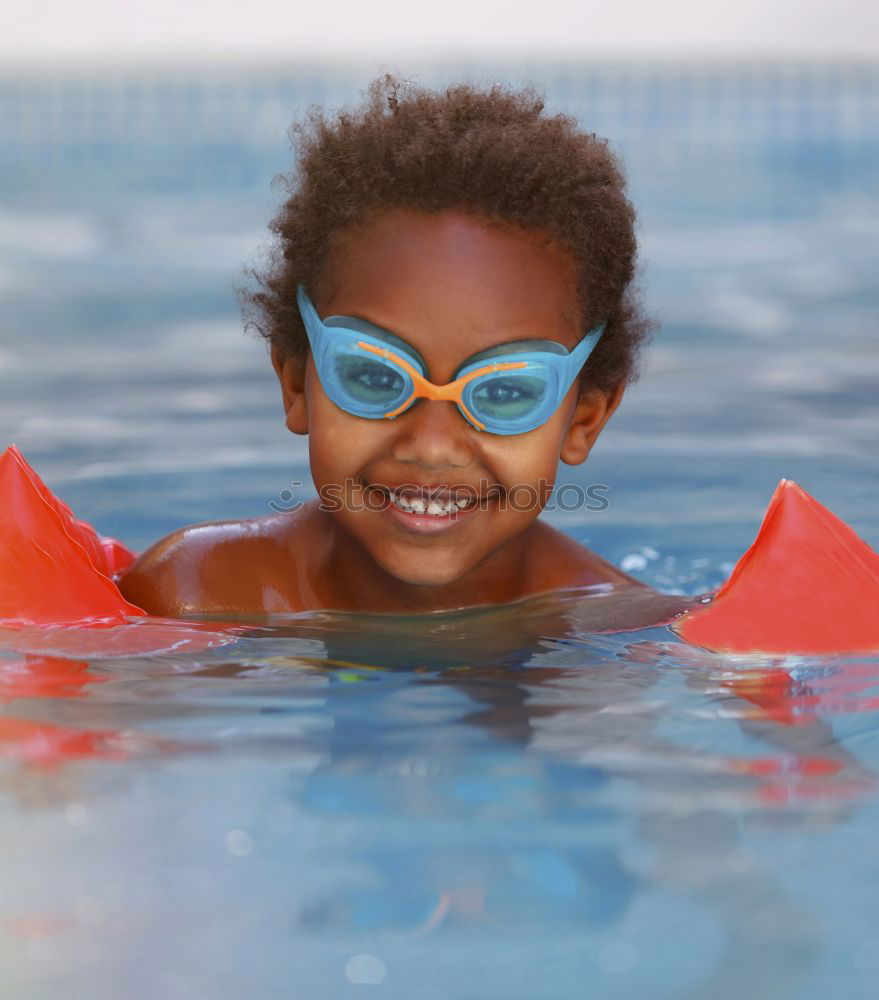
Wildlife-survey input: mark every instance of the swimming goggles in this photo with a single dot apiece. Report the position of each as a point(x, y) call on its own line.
point(509, 389)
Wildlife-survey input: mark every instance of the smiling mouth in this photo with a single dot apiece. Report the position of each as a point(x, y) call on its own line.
point(436, 501)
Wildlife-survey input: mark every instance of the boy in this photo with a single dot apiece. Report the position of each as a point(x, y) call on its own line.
point(446, 264)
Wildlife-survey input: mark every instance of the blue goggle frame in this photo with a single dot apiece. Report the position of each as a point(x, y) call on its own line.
point(509, 389)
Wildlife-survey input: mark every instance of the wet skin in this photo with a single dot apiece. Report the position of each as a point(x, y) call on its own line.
point(450, 285)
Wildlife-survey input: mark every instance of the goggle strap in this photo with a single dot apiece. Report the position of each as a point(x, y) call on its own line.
point(310, 315)
point(580, 355)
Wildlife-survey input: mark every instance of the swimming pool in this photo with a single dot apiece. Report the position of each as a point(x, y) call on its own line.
point(494, 803)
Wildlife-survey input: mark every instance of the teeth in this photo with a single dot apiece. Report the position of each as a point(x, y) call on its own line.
point(435, 507)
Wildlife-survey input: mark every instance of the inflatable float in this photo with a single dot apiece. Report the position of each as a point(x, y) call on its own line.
point(807, 585)
point(57, 572)
point(57, 593)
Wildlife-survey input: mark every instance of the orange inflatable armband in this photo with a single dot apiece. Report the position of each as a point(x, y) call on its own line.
point(808, 584)
point(56, 586)
point(53, 568)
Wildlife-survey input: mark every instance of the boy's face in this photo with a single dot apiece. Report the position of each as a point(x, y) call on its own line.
point(450, 285)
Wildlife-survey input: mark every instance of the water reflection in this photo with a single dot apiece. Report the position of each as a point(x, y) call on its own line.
point(414, 789)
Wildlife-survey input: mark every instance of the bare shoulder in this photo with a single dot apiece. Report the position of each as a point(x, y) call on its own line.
point(215, 567)
point(563, 562)
point(627, 605)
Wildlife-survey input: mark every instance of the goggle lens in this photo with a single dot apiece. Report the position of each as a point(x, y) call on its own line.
point(369, 382)
point(507, 397)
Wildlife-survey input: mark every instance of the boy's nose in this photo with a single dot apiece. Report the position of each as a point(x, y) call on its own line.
point(435, 435)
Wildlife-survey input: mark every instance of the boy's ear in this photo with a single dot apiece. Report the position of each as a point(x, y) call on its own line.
point(291, 375)
point(592, 412)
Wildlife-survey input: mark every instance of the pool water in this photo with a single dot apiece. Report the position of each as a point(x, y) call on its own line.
point(494, 802)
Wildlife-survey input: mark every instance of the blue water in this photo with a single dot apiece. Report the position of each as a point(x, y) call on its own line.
point(494, 803)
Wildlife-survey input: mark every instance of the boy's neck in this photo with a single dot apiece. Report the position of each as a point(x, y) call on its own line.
point(348, 577)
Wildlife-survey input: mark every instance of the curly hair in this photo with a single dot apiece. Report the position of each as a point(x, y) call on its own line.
point(489, 152)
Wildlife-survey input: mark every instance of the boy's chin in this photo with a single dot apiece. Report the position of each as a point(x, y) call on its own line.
point(428, 572)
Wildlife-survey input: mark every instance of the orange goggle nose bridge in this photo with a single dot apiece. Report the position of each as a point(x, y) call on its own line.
point(452, 391)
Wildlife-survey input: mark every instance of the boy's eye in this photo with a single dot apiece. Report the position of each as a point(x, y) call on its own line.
point(369, 381)
point(509, 397)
